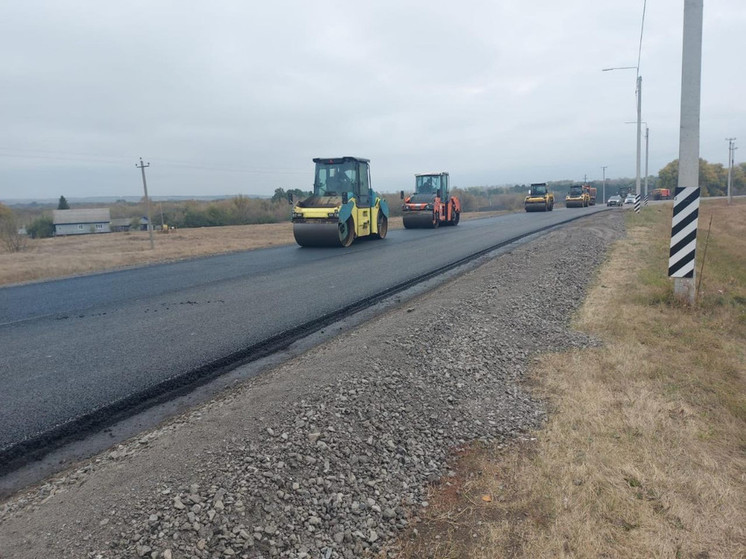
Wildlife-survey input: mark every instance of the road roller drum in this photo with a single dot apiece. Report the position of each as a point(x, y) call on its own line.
point(334, 234)
point(420, 219)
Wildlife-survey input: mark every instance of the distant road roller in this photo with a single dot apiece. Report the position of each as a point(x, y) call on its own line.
point(432, 203)
point(343, 205)
point(578, 197)
point(539, 199)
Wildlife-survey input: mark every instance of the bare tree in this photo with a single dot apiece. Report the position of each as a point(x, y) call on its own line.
point(9, 235)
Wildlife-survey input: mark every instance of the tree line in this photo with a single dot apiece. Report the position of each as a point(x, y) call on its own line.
point(244, 210)
point(713, 178)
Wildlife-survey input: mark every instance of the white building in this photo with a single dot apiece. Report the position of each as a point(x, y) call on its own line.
point(81, 222)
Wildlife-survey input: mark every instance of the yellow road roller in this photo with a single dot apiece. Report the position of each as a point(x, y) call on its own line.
point(343, 205)
point(578, 197)
point(539, 199)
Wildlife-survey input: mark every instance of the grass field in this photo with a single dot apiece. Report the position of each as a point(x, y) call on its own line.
point(644, 452)
point(81, 254)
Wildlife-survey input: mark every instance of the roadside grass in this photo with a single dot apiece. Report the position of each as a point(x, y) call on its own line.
point(644, 451)
point(83, 254)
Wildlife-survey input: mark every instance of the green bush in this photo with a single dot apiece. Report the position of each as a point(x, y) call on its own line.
point(41, 228)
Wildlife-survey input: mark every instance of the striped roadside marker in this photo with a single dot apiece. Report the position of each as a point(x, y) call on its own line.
point(646, 199)
point(684, 232)
point(637, 203)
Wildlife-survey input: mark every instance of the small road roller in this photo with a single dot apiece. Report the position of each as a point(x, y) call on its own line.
point(432, 203)
point(578, 197)
point(343, 205)
point(539, 199)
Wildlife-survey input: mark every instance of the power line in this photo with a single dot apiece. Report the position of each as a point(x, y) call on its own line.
point(115, 159)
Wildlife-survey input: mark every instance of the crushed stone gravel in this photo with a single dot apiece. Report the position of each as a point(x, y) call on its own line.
point(329, 455)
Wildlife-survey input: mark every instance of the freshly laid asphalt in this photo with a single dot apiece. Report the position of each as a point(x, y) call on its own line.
point(73, 347)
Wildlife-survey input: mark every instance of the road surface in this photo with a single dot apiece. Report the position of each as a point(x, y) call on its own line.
point(79, 349)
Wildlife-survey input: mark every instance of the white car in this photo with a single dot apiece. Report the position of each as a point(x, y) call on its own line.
point(614, 201)
point(630, 199)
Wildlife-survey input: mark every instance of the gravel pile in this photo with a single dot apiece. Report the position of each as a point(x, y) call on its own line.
point(342, 471)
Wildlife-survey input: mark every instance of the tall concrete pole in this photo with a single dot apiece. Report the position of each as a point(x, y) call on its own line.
point(691, 79)
point(147, 200)
point(647, 135)
point(639, 132)
point(731, 149)
point(603, 169)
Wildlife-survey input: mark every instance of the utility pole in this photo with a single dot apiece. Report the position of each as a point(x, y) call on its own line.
point(639, 131)
point(686, 201)
point(731, 150)
point(647, 135)
point(603, 169)
point(142, 166)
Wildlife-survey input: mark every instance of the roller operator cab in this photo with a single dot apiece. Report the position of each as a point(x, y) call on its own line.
point(539, 199)
point(343, 206)
point(432, 203)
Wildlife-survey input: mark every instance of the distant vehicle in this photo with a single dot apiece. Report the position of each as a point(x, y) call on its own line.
point(630, 199)
point(661, 194)
point(615, 201)
point(592, 192)
point(539, 199)
point(432, 203)
point(578, 197)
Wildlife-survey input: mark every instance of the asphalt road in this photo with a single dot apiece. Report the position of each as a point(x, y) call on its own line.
point(72, 347)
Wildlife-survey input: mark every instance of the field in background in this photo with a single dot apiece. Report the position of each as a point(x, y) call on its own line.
point(644, 452)
point(81, 254)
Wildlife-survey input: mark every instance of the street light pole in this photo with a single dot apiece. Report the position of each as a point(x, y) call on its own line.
point(603, 169)
point(638, 91)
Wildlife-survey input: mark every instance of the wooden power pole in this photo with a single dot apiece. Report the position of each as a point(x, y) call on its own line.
point(147, 200)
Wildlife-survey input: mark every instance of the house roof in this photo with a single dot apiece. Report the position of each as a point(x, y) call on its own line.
point(121, 221)
point(92, 215)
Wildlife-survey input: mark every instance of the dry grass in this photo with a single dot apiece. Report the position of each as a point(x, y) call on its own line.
point(644, 454)
point(67, 256)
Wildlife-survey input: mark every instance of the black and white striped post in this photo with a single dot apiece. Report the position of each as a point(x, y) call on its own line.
point(646, 200)
point(637, 204)
point(684, 232)
point(686, 202)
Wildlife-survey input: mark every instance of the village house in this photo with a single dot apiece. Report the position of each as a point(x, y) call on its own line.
point(81, 222)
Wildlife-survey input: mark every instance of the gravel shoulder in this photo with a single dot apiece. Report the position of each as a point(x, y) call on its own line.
point(330, 454)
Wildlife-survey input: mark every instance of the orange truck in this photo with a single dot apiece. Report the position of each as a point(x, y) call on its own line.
point(661, 194)
point(432, 203)
point(592, 194)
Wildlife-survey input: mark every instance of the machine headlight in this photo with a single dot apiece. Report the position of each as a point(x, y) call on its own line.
point(429, 207)
point(297, 214)
point(335, 213)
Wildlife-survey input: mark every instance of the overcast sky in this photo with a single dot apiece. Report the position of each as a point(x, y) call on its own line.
point(228, 97)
